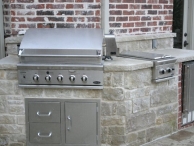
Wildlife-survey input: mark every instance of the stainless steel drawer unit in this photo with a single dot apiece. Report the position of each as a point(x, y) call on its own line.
point(62, 122)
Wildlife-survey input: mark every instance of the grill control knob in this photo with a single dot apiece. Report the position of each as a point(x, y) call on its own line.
point(162, 71)
point(36, 77)
point(72, 78)
point(169, 70)
point(60, 78)
point(48, 78)
point(84, 78)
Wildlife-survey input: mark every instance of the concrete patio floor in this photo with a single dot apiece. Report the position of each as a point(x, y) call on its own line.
point(183, 137)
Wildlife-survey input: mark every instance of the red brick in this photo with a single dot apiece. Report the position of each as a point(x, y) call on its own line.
point(157, 18)
point(162, 12)
point(128, 1)
point(140, 1)
point(35, 6)
point(45, 25)
point(122, 6)
point(24, 1)
point(97, 13)
point(115, 1)
point(25, 13)
point(140, 13)
point(140, 24)
point(145, 18)
point(134, 18)
point(168, 6)
point(157, 6)
point(93, 19)
point(84, 1)
point(74, 6)
point(168, 17)
point(163, 1)
point(115, 12)
point(55, 6)
point(127, 12)
point(128, 24)
point(152, 1)
point(35, 19)
point(17, 19)
point(145, 29)
point(122, 19)
point(154, 23)
point(134, 6)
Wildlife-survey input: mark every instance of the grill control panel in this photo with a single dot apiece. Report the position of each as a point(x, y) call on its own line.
point(164, 71)
point(61, 77)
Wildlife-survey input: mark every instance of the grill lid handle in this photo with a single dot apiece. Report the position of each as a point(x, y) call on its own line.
point(72, 56)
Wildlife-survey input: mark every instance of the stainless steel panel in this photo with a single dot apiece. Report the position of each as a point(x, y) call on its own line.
point(2, 47)
point(70, 39)
point(23, 66)
point(188, 87)
point(156, 71)
point(81, 123)
point(146, 55)
point(111, 46)
point(95, 78)
point(44, 112)
point(61, 60)
point(45, 133)
point(61, 86)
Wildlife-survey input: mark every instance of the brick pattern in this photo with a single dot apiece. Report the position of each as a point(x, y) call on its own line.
point(141, 16)
point(180, 102)
point(126, 16)
point(24, 14)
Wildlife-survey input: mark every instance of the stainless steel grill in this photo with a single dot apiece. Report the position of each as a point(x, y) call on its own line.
point(61, 58)
point(163, 65)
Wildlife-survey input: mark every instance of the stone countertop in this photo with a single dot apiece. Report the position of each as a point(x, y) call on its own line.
point(9, 62)
point(118, 63)
point(126, 64)
point(180, 54)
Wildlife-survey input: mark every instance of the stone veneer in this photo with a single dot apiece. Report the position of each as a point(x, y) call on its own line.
point(134, 109)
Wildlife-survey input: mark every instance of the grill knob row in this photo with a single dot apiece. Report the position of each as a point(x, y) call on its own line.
point(84, 78)
point(167, 70)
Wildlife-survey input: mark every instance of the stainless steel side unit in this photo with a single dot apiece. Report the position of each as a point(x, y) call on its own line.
point(61, 58)
point(62, 122)
point(188, 87)
point(163, 65)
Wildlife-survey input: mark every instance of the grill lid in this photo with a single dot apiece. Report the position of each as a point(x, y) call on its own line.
point(67, 42)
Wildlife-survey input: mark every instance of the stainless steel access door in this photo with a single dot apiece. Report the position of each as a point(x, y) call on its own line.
point(188, 86)
point(81, 123)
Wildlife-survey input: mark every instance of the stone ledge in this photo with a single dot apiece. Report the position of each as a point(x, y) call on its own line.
point(9, 62)
point(13, 40)
point(181, 54)
point(119, 64)
point(128, 38)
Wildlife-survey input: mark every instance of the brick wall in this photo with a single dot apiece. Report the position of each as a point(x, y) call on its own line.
point(126, 16)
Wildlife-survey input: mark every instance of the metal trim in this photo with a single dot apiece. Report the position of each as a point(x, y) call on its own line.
point(62, 86)
point(164, 79)
point(2, 46)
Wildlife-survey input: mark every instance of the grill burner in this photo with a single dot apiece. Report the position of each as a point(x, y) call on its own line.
point(164, 65)
point(61, 58)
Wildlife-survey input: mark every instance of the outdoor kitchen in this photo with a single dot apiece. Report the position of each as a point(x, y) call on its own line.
point(94, 72)
point(134, 109)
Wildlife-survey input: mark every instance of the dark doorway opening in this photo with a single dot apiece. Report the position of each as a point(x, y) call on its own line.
point(177, 27)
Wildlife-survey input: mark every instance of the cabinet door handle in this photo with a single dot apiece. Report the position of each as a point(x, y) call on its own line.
point(45, 136)
point(44, 115)
point(70, 121)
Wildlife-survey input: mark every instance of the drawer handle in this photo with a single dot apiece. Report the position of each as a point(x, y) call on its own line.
point(45, 136)
point(44, 115)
